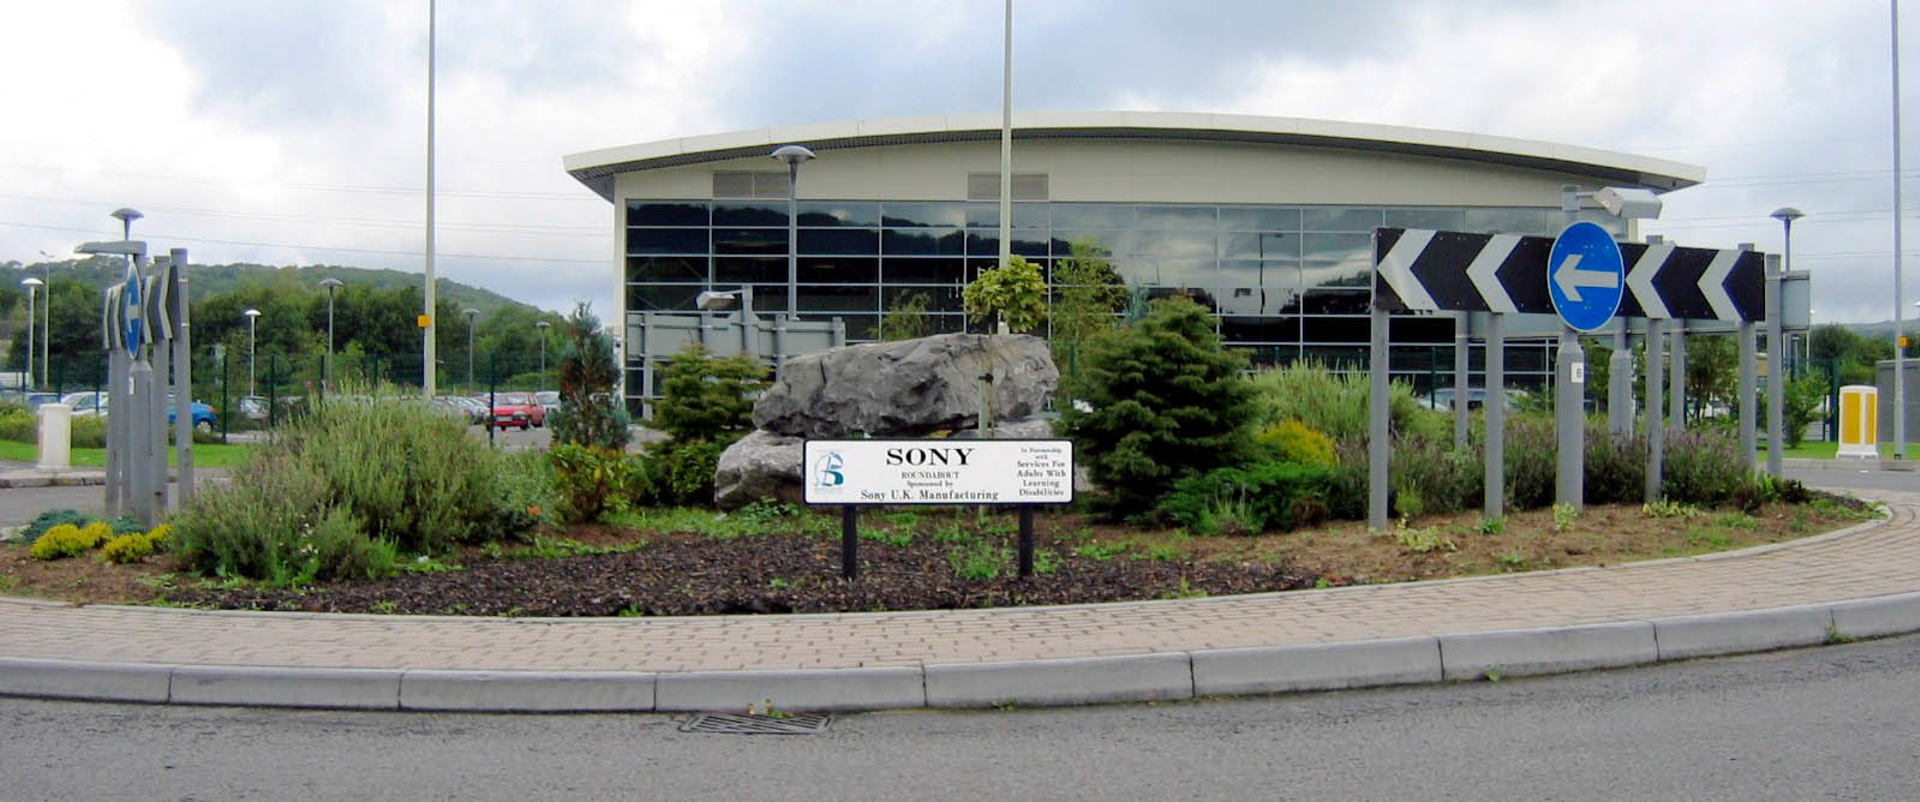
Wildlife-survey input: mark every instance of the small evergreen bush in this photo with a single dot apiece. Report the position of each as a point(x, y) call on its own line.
point(703, 398)
point(1164, 402)
point(63, 541)
point(589, 414)
point(677, 473)
point(50, 519)
point(1293, 441)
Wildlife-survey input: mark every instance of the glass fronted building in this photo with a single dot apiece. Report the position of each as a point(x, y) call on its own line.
point(1266, 222)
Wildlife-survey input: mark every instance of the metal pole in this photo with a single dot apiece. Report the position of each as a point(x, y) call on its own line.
point(1677, 411)
point(1748, 396)
point(849, 542)
point(182, 378)
point(1569, 424)
point(793, 234)
point(1460, 380)
point(1776, 378)
point(1620, 382)
point(1496, 407)
point(28, 383)
point(1656, 428)
point(1006, 141)
point(429, 301)
point(1377, 446)
point(1026, 542)
point(252, 334)
point(1899, 296)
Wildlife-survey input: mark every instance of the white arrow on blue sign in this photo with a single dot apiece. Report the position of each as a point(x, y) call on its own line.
point(1585, 276)
point(135, 327)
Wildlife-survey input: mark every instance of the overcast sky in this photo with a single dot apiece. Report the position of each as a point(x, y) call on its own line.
point(293, 131)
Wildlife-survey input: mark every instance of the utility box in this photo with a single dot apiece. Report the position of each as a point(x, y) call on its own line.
point(56, 437)
point(1859, 421)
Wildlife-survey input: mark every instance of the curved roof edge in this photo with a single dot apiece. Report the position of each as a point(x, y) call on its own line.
point(596, 168)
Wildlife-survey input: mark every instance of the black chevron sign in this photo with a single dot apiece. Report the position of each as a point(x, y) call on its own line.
point(1463, 272)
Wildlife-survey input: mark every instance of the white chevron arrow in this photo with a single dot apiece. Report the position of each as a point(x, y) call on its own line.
point(1713, 284)
point(1571, 278)
point(1397, 269)
point(1481, 272)
point(1640, 279)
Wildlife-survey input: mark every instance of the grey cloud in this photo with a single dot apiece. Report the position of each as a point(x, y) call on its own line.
point(871, 60)
point(286, 63)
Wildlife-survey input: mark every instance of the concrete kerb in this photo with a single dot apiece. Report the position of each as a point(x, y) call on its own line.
point(1162, 676)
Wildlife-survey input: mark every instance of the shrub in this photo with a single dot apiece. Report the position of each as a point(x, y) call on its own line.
point(62, 541)
point(587, 478)
point(681, 473)
point(703, 398)
point(1703, 467)
point(1335, 404)
point(1616, 466)
point(129, 548)
point(1014, 291)
point(1531, 461)
point(1167, 402)
point(339, 492)
point(1271, 495)
point(1428, 475)
point(589, 414)
point(1293, 441)
point(50, 519)
point(525, 487)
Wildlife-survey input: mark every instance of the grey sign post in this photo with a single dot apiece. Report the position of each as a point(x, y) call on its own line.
point(1776, 374)
point(1656, 428)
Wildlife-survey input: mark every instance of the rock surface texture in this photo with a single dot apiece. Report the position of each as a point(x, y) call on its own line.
point(911, 388)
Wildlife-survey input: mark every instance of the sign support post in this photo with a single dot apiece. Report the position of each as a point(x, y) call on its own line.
point(1656, 428)
point(1460, 381)
point(1677, 377)
point(1569, 423)
point(1776, 375)
point(1377, 446)
point(1748, 395)
point(849, 542)
point(182, 375)
point(1496, 407)
point(1620, 382)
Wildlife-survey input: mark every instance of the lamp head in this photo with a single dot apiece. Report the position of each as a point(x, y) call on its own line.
point(32, 282)
point(1632, 203)
point(251, 313)
point(793, 154)
point(126, 215)
point(1787, 214)
point(331, 284)
point(710, 300)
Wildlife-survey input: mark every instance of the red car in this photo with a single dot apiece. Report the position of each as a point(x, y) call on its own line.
point(518, 409)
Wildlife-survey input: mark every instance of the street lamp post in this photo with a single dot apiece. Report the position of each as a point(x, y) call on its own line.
point(470, 312)
point(253, 318)
point(326, 372)
point(543, 326)
point(46, 321)
point(32, 284)
point(793, 155)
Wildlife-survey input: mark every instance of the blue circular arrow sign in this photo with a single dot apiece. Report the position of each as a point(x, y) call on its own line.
point(1585, 276)
point(132, 303)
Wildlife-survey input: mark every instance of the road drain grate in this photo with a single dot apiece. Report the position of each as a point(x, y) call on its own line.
point(752, 724)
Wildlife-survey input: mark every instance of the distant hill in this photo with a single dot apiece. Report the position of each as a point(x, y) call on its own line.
point(208, 280)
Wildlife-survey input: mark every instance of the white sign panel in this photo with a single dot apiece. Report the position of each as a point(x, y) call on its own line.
point(938, 471)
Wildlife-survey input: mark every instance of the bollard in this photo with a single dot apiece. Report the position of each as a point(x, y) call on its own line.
point(56, 437)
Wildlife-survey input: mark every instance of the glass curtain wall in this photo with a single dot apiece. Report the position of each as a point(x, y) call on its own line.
point(1283, 282)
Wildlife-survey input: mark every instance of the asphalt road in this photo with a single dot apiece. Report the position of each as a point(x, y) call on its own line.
point(1840, 722)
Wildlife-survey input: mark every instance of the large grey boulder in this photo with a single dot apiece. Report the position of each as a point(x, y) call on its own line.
point(908, 388)
point(760, 465)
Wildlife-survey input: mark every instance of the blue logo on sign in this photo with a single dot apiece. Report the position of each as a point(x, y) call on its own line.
point(827, 471)
point(1586, 276)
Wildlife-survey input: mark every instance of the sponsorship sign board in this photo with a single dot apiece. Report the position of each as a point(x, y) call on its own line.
point(938, 471)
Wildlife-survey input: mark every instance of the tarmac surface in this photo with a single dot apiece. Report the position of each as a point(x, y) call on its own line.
point(1860, 582)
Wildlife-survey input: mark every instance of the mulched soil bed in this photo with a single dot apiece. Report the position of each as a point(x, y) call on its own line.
point(694, 575)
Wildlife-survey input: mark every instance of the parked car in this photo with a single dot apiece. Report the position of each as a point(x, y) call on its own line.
point(518, 409)
point(1442, 399)
point(549, 400)
point(90, 404)
point(468, 409)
